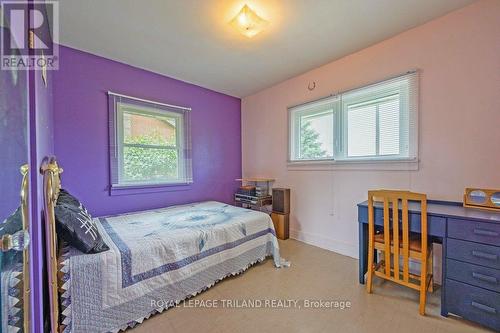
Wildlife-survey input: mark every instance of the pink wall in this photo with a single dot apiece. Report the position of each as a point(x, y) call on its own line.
point(459, 59)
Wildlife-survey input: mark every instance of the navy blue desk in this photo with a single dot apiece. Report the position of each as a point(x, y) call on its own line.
point(471, 256)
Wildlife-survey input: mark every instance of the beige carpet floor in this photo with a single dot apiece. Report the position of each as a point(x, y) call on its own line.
point(315, 274)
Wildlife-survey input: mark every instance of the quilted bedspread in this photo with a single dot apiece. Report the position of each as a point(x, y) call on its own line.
point(158, 258)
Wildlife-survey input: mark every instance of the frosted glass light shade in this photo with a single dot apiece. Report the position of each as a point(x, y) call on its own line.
point(247, 22)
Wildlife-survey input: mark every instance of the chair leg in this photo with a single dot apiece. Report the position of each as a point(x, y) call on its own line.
point(431, 272)
point(423, 286)
point(369, 273)
point(423, 297)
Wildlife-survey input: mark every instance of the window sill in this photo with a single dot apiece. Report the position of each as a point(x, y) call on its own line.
point(368, 165)
point(145, 188)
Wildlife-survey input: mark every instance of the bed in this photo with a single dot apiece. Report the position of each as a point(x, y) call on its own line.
point(157, 258)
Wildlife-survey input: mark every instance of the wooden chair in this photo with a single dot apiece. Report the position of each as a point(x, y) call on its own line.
point(413, 245)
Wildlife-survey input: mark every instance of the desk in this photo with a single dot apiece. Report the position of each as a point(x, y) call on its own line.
point(471, 255)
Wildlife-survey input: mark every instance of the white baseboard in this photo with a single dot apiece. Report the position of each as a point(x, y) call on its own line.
point(341, 247)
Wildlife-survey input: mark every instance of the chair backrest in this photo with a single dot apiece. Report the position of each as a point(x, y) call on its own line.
point(391, 204)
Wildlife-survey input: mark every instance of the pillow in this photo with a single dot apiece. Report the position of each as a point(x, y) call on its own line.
point(65, 198)
point(12, 223)
point(75, 225)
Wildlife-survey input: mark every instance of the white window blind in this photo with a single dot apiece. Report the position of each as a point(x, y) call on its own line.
point(149, 143)
point(374, 122)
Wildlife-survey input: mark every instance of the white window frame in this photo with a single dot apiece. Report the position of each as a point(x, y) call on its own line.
point(406, 86)
point(401, 90)
point(123, 108)
point(295, 115)
point(118, 106)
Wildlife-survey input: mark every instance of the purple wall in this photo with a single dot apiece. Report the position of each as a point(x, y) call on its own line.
point(13, 137)
point(81, 132)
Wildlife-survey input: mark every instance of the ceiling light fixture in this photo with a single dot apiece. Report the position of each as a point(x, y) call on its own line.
point(248, 22)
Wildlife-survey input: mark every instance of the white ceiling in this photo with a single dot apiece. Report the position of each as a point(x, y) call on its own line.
point(191, 40)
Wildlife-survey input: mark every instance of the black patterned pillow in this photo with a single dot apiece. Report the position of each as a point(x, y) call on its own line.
point(12, 223)
point(65, 198)
point(75, 225)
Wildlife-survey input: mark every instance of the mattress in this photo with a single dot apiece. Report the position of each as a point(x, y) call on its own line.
point(158, 258)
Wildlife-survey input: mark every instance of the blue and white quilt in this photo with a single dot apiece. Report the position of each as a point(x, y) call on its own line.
point(160, 256)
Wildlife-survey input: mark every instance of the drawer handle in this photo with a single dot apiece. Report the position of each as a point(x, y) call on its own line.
point(483, 232)
point(483, 307)
point(484, 277)
point(483, 255)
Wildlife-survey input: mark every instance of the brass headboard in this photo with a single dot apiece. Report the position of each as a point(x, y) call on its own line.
point(51, 185)
point(26, 255)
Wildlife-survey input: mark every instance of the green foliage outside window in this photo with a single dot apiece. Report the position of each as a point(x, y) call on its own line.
point(147, 163)
point(310, 146)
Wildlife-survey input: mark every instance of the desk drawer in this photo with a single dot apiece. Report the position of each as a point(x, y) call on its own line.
point(436, 224)
point(484, 277)
point(473, 303)
point(487, 233)
point(474, 253)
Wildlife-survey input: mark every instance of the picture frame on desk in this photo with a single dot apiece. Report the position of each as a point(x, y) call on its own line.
point(482, 198)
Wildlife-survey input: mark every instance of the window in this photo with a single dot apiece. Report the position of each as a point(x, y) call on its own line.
point(372, 123)
point(312, 131)
point(149, 143)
